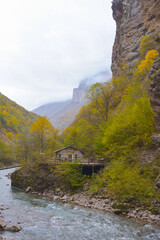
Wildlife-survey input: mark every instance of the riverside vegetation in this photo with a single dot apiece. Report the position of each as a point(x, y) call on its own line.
point(117, 124)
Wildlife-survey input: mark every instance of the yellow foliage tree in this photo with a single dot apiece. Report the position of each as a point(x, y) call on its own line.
point(10, 135)
point(40, 129)
point(146, 45)
point(146, 64)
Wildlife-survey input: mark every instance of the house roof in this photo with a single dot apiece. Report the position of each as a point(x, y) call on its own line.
point(69, 146)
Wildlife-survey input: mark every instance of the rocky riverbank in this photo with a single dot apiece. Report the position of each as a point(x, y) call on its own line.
point(106, 204)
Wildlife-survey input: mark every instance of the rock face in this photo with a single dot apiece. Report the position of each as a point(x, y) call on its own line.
point(155, 91)
point(134, 19)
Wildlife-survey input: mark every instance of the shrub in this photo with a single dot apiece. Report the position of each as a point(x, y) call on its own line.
point(70, 174)
point(125, 180)
point(146, 64)
point(147, 44)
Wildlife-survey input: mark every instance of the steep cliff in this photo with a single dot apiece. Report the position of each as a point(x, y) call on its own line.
point(136, 19)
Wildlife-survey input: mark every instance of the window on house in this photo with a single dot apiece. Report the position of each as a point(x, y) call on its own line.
point(59, 156)
point(75, 156)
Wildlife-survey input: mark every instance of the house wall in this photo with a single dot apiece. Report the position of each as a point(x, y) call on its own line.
point(64, 154)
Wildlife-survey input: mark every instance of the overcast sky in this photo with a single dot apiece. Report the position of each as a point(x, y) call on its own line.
point(48, 46)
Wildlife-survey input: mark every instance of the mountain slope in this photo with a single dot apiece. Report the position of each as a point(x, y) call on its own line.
point(13, 118)
point(51, 108)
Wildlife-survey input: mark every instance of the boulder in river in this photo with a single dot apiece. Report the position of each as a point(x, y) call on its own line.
point(11, 228)
point(2, 224)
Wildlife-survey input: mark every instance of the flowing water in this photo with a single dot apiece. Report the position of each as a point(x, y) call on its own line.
point(42, 219)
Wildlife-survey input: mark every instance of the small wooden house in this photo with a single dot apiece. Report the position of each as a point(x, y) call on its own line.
point(69, 153)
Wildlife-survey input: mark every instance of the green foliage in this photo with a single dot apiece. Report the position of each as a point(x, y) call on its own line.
point(23, 148)
point(129, 128)
point(98, 181)
point(6, 155)
point(70, 174)
point(124, 180)
point(117, 122)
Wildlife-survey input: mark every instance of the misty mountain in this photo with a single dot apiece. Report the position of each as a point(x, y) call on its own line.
point(61, 114)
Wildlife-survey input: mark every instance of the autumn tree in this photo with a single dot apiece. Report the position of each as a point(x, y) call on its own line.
point(100, 95)
point(23, 148)
point(6, 154)
point(40, 130)
point(52, 142)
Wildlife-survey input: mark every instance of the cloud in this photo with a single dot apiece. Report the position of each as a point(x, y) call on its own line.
point(48, 46)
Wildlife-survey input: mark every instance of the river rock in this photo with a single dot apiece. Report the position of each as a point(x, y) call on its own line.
point(117, 211)
point(1, 238)
point(55, 198)
point(157, 184)
point(2, 224)
point(64, 198)
point(156, 139)
point(28, 189)
point(8, 175)
point(13, 228)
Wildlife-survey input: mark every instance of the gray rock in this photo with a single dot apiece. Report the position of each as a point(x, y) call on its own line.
point(28, 189)
point(56, 198)
point(50, 179)
point(117, 211)
point(156, 139)
point(13, 228)
point(64, 198)
point(157, 184)
point(2, 224)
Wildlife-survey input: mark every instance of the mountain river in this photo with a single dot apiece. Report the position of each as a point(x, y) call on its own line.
point(43, 219)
